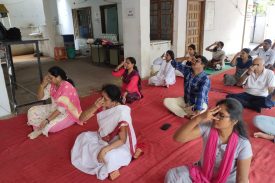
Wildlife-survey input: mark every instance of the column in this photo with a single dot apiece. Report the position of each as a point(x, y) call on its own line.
point(136, 33)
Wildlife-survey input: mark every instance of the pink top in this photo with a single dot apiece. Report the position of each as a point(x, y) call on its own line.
point(132, 85)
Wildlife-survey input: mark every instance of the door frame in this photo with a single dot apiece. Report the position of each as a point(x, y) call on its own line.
point(76, 22)
point(200, 49)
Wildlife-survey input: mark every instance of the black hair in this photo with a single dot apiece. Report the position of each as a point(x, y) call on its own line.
point(246, 50)
point(221, 43)
point(268, 41)
point(57, 71)
point(171, 53)
point(204, 60)
point(192, 46)
point(235, 110)
point(113, 92)
point(133, 61)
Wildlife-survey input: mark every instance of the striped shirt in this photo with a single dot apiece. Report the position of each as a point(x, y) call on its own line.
point(196, 88)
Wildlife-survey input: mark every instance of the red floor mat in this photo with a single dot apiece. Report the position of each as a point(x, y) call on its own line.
point(48, 159)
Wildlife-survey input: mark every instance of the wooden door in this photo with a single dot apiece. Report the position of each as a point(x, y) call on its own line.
point(195, 23)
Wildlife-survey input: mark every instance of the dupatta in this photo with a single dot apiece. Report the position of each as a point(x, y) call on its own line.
point(204, 174)
point(66, 96)
point(126, 78)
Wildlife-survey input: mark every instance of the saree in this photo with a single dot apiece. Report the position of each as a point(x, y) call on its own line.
point(88, 144)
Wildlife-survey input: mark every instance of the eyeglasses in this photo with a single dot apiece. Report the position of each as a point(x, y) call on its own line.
point(221, 116)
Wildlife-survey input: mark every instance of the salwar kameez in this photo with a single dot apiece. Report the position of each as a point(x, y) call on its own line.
point(65, 100)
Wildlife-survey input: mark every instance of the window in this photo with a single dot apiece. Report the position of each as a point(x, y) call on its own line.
point(161, 19)
point(109, 19)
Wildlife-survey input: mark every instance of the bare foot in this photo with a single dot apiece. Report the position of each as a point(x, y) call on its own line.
point(114, 175)
point(263, 135)
point(138, 153)
point(35, 134)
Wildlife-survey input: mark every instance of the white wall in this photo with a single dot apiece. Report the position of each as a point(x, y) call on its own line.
point(65, 19)
point(51, 29)
point(29, 16)
point(227, 25)
point(136, 35)
point(179, 30)
point(260, 27)
point(24, 13)
point(65, 13)
point(270, 24)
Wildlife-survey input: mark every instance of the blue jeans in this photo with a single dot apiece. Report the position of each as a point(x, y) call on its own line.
point(253, 102)
point(265, 124)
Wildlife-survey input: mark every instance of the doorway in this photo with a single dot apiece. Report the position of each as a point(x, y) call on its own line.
point(82, 22)
point(195, 24)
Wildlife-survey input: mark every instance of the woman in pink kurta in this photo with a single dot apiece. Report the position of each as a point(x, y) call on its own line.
point(131, 82)
point(64, 110)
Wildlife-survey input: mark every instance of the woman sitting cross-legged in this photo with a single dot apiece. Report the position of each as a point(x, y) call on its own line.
point(103, 152)
point(227, 151)
point(242, 60)
point(64, 110)
point(131, 82)
point(166, 75)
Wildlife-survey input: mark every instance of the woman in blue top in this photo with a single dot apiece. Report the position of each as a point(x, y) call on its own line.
point(242, 60)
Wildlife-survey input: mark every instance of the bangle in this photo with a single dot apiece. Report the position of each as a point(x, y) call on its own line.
point(47, 120)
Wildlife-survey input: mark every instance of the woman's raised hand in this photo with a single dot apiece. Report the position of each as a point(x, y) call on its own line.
point(46, 80)
point(99, 102)
point(210, 114)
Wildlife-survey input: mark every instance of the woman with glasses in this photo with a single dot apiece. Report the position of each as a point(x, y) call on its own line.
point(166, 75)
point(227, 151)
point(242, 60)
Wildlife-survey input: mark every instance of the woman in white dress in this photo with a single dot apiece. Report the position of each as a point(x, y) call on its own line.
point(166, 74)
point(103, 152)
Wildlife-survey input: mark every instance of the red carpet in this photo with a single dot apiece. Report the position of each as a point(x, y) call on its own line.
point(48, 159)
